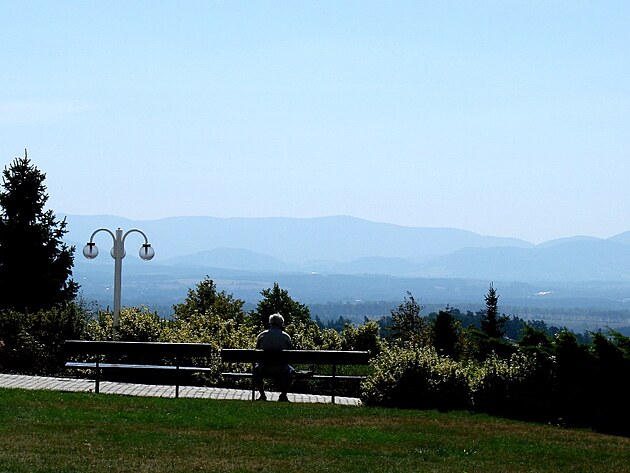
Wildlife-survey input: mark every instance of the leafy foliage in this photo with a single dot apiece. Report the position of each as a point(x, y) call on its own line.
point(519, 386)
point(205, 299)
point(363, 338)
point(136, 324)
point(407, 323)
point(32, 342)
point(416, 377)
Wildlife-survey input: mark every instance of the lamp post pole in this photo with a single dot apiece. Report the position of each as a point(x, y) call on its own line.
point(90, 251)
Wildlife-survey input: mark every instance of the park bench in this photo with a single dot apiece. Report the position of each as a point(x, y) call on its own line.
point(333, 358)
point(98, 356)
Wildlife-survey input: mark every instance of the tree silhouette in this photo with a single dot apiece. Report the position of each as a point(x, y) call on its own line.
point(276, 300)
point(445, 333)
point(35, 264)
point(206, 299)
point(407, 323)
point(492, 323)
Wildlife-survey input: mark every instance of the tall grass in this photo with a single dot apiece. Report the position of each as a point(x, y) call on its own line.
point(45, 431)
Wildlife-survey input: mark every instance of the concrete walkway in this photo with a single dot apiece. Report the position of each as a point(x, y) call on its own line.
point(128, 389)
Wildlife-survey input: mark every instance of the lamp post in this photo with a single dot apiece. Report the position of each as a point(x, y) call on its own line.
point(90, 251)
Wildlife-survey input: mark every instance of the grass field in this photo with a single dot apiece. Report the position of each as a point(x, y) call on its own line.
point(45, 431)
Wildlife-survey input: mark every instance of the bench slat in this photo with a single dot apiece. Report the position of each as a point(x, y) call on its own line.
point(100, 347)
point(318, 357)
point(315, 376)
point(91, 365)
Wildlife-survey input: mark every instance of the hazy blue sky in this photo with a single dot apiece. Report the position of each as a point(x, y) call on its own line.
point(506, 117)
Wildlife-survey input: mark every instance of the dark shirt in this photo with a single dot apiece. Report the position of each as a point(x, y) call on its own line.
point(274, 339)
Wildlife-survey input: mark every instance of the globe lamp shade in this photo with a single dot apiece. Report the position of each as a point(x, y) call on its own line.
point(147, 252)
point(90, 251)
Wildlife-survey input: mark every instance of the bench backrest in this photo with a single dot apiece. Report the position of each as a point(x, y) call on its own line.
point(153, 349)
point(235, 355)
point(308, 357)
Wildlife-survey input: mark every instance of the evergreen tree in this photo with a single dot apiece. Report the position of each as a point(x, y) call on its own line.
point(276, 300)
point(445, 333)
point(35, 264)
point(492, 323)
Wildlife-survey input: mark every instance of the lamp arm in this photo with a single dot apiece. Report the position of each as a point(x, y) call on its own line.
point(102, 230)
point(146, 240)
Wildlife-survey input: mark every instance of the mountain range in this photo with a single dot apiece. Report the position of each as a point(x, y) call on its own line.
point(344, 258)
point(347, 245)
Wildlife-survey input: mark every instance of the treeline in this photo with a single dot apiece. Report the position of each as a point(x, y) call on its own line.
point(514, 327)
point(445, 360)
point(551, 320)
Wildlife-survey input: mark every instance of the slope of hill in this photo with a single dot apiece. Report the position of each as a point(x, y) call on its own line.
point(574, 260)
point(231, 258)
point(291, 240)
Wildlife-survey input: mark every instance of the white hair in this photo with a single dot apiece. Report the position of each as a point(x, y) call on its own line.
point(276, 320)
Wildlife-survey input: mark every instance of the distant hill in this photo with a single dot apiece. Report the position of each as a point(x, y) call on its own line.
point(348, 259)
point(347, 245)
point(231, 258)
point(574, 260)
point(292, 240)
point(623, 238)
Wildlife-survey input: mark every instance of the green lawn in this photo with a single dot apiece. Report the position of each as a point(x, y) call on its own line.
point(81, 432)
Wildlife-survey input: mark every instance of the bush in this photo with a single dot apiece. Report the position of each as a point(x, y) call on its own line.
point(214, 329)
point(365, 337)
point(520, 387)
point(479, 346)
point(612, 366)
point(32, 343)
point(416, 377)
point(135, 325)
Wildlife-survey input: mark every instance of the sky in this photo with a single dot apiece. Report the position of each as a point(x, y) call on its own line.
point(505, 118)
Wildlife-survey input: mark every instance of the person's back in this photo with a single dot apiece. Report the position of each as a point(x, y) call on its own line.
point(274, 339)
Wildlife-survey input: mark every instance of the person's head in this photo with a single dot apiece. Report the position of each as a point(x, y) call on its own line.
point(276, 320)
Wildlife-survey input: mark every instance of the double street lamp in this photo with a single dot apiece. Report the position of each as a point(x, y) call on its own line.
point(90, 251)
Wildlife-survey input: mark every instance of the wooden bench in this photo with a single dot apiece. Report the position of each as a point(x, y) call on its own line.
point(334, 358)
point(109, 355)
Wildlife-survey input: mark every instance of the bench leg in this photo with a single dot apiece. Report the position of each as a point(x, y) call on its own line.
point(177, 382)
point(334, 382)
point(97, 382)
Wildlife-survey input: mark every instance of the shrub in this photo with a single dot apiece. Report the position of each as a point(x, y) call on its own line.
point(33, 342)
point(575, 389)
point(612, 366)
point(415, 377)
point(330, 339)
point(521, 386)
point(479, 346)
point(213, 329)
point(136, 325)
point(364, 337)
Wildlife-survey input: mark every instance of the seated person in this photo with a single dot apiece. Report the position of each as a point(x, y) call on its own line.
point(274, 339)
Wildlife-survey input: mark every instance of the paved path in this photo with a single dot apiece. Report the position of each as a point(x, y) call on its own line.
point(109, 387)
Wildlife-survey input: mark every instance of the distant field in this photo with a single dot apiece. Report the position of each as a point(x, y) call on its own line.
point(43, 431)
